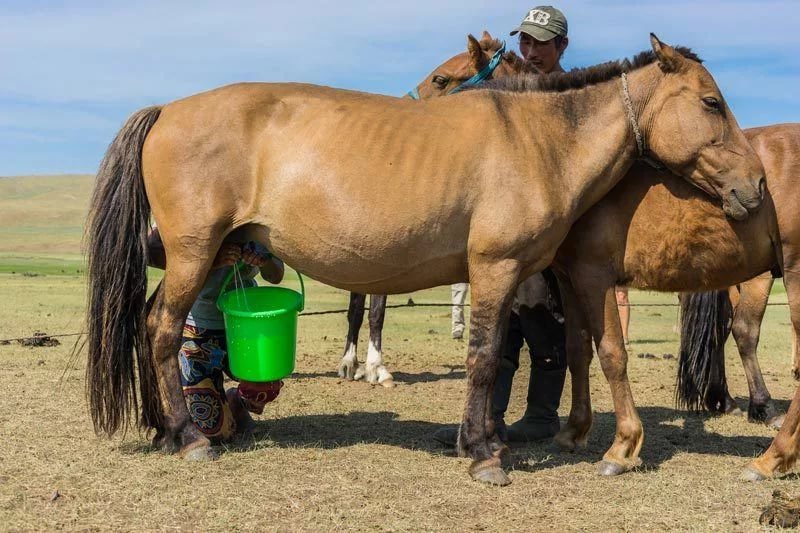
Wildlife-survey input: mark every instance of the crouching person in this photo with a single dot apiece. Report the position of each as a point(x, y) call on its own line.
point(203, 356)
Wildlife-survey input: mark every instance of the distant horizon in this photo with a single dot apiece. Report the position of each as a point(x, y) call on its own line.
point(74, 71)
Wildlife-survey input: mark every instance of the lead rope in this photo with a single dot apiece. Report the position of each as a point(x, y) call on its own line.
point(626, 97)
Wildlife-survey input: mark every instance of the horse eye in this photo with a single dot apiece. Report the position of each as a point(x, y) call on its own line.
point(711, 102)
point(440, 81)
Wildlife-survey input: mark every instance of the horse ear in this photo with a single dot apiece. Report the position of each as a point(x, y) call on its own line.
point(486, 36)
point(668, 58)
point(476, 55)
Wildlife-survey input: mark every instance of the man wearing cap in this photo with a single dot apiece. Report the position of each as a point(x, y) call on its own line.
point(543, 38)
point(536, 318)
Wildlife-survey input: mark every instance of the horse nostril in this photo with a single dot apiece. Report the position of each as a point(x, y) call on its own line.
point(762, 187)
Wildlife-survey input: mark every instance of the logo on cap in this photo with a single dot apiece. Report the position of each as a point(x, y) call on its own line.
point(538, 16)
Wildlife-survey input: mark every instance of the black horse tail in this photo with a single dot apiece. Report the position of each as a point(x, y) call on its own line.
point(705, 325)
point(117, 227)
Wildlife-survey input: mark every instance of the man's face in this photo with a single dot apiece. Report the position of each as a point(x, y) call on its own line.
point(543, 55)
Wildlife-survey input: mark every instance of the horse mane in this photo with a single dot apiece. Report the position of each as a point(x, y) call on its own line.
point(577, 78)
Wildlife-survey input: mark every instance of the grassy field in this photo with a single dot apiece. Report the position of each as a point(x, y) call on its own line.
point(330, 454)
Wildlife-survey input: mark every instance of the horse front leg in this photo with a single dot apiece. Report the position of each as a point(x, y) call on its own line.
point(493, 288)
point(782, 453)
point(375, 373)
point(182, 283)
point(348, 367)
point(746, 329)
point(579, 357)
point(596, 293)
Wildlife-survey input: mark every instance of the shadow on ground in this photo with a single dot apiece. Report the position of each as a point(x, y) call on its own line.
point(664, 437)
point(453, 372)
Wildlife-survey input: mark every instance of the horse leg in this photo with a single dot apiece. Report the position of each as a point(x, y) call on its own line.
point(746, 329)
point(782, 453)
point(375, 371)
point(596, 293)
point(795, 355)
point(182, 282)
point(579, 356)
point(492, 293)
point(348, 367)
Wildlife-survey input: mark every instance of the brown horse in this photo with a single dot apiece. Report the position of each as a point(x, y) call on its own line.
point(660, 234)
point(747, 301)
point(371, 194)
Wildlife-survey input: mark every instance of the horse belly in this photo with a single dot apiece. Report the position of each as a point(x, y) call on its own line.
point(387, 248)
point(718, 261)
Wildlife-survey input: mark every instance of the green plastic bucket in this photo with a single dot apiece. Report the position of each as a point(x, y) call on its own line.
point(261, 329)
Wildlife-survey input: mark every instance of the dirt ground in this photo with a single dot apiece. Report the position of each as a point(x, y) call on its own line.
point(330, 454)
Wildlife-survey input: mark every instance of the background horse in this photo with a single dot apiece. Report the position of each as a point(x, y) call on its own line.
point(659, 234)
point(741, 308)
point(398, 206)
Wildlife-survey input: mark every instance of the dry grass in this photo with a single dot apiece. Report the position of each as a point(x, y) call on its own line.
point(337, 455)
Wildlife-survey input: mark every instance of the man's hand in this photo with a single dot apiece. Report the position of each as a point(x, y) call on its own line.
point(227, 255)
point(256, 255)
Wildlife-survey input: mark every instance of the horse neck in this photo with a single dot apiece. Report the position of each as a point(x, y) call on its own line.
point(592, 142)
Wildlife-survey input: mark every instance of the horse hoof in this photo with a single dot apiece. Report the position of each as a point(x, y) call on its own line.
point(388, 383)
point(488, 472)
point(360, 373)
point(201, 454)
point(607, 468)
point(751, 474)
point(776, 422)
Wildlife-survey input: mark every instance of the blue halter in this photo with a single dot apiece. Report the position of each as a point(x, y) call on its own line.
point(474, 80)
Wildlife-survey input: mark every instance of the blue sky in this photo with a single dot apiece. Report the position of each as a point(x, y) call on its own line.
point(72, 71)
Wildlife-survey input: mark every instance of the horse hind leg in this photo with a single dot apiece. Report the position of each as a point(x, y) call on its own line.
point(374, 371)
point(182, 283)
point(348, 367)
point(575, 432)
point(746, 328)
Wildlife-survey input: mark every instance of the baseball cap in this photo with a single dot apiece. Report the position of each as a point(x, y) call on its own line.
point(543, 23)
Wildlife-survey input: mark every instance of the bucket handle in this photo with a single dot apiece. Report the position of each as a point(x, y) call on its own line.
point(239, 264)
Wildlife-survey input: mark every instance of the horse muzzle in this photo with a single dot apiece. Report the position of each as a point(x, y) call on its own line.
point(738, 203)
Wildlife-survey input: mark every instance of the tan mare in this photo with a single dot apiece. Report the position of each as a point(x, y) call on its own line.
point(660, 234)
point(377, 194)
